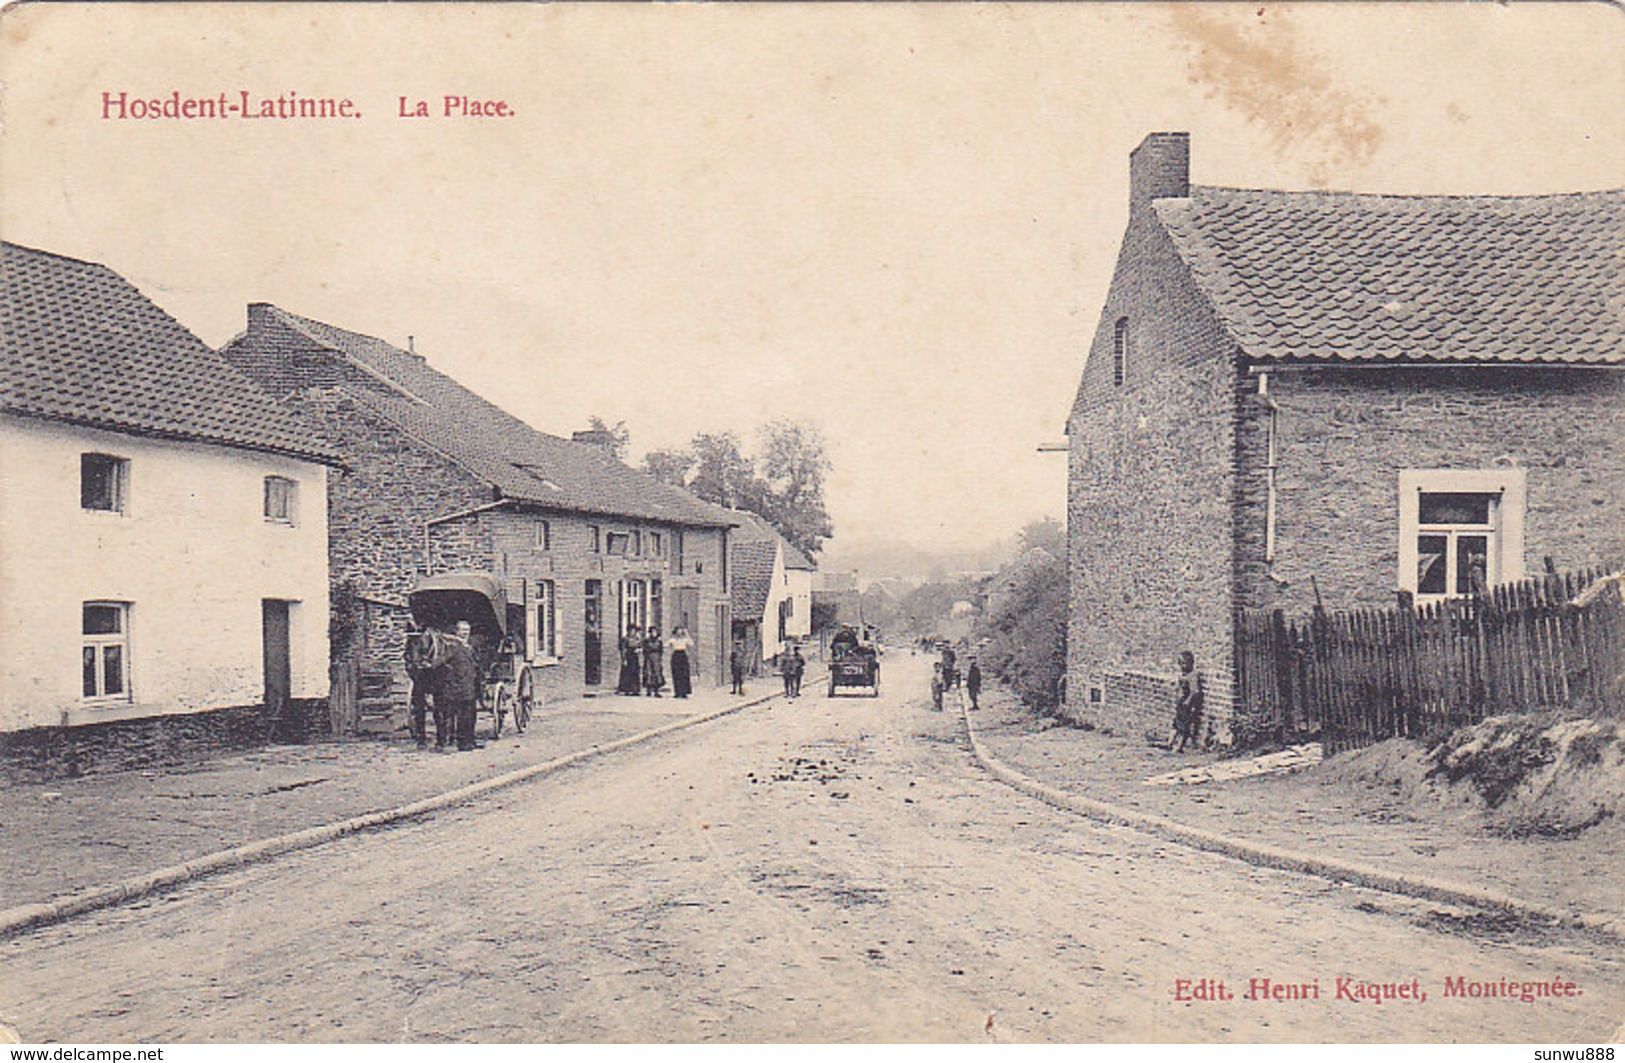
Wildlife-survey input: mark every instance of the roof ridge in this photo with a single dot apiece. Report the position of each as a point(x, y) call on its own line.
point(1430, 197)
point(299, 322)
point(443, 407)
point(65, 258)
point(68, 320)
point(421, 363)
point(1406, 279)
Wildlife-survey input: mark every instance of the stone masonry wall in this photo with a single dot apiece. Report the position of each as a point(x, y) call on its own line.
point(44, 753)
point(1150, 484)
point(1344, 435)
point(377, 510)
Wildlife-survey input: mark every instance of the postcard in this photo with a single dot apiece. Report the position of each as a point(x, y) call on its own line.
point(810, 523)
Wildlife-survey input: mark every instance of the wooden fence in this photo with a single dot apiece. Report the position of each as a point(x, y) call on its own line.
point(1358, 677)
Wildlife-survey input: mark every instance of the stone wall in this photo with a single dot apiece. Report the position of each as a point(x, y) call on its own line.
point(1150, 480)
point(44, 753)
point(378, 508)
point(1343, 435)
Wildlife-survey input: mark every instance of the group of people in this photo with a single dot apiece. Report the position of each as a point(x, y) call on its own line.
point(443, 670)
point(643, 669)
point(792, 666)
point(945, 677)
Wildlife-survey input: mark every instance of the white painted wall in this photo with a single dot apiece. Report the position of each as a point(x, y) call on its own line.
point(192, 553)
point(799, 583)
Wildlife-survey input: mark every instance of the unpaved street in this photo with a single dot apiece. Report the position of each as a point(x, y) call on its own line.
point(817, 870)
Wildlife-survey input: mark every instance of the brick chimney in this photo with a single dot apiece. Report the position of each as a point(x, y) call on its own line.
point(1160, 168)
point(258, 316)
point(595, 437)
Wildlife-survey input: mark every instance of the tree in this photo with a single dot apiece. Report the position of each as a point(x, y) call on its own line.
point(669, 466)
point(620, 437)
point(722, 474)
point(793, 464)
point(1048, 535)
point(784, 485)
point(1024, 617)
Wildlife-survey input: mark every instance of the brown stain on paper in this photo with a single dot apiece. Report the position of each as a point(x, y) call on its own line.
point(1260, 68)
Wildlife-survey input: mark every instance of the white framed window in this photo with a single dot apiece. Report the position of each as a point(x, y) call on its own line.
point(544, 631)
point(593, 544)
point(634, 604)
point(281, 499)
point(1459, 529)
point(635, 546)
point(105, 674)
point(544, 535)
point(656, 545)
point(619, 543)
point(104, 482)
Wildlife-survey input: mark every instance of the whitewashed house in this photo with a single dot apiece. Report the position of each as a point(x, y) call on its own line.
point(772, 588)
point(163, 522)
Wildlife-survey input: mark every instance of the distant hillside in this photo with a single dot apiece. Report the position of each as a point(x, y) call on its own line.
point(877, 559)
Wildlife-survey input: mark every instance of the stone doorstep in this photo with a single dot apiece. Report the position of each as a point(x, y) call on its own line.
point(1295, 758)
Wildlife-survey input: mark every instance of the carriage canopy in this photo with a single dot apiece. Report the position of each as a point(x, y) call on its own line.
point(441, 601)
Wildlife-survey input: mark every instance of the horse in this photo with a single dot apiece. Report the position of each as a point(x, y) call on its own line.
point(426, 651)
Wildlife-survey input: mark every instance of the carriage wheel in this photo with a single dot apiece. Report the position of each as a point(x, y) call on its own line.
point(525, 702)
point(831, 693)
point(875, 693)
point(501, 702)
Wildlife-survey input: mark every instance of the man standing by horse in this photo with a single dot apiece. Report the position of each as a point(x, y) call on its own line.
point(459, 684)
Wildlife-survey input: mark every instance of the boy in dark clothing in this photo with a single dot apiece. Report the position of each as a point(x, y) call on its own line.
point(973, 683)
point(1188, 706)
point(736, 667)
point(798, 666)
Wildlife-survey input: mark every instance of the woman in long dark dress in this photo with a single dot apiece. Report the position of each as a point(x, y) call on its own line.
point(630, 676)
point(681, 645)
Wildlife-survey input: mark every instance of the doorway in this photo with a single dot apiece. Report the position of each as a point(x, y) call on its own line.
point(278, 669)
point(593, 636)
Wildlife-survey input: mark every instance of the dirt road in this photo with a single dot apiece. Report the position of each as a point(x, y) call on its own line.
point(817, 870)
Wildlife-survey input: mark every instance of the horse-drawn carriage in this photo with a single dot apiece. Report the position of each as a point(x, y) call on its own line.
point(438, 603)
point(854, 662)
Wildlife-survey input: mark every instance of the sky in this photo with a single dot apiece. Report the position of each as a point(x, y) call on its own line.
point(895, 222)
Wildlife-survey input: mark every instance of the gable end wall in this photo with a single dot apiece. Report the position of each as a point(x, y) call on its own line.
point(1150, 486)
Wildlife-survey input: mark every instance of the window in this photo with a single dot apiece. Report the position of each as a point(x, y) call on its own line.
point(636, 547)
point(544, 535)
point(103, 482)
point(657, 617)
point(1120, 351)
point(1460, 530)
point(106, 638)
point(546, 628)
point(677, 551)
point(619, 543)
point(592, 539)
point(280, 495)
point(634, 604)
point(656, 546)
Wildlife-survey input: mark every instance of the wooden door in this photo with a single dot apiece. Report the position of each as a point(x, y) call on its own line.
point(278, 670)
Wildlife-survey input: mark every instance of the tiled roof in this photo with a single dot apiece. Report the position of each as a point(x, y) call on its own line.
point(81, 345)
point(517, 460)
point(751, 577)
point(753, 527)
point(1314, 276)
